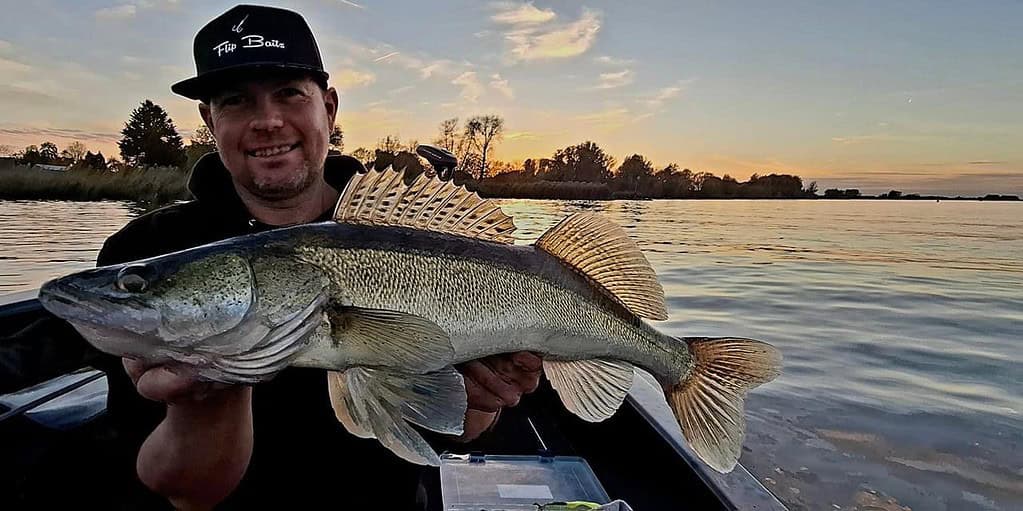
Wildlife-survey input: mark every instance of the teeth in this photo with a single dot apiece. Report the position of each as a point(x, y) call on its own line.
point(271, 151)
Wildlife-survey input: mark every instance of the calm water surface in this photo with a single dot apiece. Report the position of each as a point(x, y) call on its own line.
point(901, 324)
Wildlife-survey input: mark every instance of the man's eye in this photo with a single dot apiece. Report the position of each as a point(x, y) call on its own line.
point(231, 100)
point(289, 92)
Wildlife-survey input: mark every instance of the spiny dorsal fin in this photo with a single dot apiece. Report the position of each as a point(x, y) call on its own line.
point(603, 252)
point(383, 198)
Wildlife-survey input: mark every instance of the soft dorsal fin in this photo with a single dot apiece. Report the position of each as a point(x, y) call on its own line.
point(383, 198)
point(603, 252)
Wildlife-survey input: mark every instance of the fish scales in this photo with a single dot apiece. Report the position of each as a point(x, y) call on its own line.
point(490, 298)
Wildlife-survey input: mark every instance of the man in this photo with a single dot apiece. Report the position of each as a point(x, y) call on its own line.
point(265, 98)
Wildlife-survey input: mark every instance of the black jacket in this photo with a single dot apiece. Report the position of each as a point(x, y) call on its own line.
point(301, 454)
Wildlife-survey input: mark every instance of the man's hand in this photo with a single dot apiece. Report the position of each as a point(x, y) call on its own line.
point(494, 382)
point(197, 456)
point(160, 383)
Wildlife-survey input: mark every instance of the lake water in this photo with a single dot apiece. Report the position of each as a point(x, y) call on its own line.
point(901, 324)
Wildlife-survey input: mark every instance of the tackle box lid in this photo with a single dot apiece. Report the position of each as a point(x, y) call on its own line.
point(515, 483)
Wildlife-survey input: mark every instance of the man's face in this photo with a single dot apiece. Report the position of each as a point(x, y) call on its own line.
point(273, 133)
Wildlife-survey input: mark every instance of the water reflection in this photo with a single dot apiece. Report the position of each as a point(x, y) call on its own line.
point(900, 324)
point(43, 239)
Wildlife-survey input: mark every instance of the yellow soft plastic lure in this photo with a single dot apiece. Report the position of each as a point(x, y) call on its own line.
point(568, 506)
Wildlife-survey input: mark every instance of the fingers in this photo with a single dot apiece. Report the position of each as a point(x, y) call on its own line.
point(134, 368)
point(479, 398)
point(506, 393)
point(521, 370)
point(159, 383)
point(527, 361)
point(476, 422)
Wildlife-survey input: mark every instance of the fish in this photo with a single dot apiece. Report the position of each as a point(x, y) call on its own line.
point(410, 278)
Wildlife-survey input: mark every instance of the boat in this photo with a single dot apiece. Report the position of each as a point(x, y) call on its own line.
point(55, 426)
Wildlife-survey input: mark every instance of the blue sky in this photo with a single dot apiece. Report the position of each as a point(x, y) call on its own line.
point(918, 96)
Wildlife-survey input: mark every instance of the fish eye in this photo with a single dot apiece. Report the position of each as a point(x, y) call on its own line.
point(129, 281)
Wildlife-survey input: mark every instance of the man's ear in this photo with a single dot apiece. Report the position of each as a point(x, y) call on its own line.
point(331, 101)
point(207, 117)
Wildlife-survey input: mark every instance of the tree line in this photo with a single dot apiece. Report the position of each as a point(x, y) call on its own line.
point(149, 138)
point(583, 170)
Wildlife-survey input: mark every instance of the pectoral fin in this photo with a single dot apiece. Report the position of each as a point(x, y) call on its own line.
point(591, 389)
point(379, 404)
point(374, 337)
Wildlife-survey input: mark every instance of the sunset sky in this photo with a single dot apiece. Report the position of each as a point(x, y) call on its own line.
point(923, 97)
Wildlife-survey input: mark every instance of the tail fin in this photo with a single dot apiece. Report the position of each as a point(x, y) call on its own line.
point(709, 403)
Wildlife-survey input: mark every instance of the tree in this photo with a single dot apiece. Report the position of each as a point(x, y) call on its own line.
point(6, 150)
point(718, 187)
point(75, 151)
point(94, 161)
point(204, 137)
point(672, 183)
point(149, 138)
point(448, 138)
point(201, 142)
point(636, 172)
point(483, 131)
point(364, 155)
point(773, 186)
point(582, 162)
point(31, 155)
point(389, 144)
point(529, 167)
point(337, 138)
point(48, 152)
point(410, 164)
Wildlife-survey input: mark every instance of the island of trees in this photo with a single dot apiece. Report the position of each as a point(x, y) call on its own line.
point(154, 165)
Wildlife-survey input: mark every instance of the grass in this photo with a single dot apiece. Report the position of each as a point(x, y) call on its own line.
point(150, 185)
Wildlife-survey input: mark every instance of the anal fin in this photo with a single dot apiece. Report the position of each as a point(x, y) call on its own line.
point(373, 403)
point(591, 389)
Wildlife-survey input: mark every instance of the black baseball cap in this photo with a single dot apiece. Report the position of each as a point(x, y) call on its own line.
point(251, 39)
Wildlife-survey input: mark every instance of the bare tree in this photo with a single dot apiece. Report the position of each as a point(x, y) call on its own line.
point(390, 144)
point(448, 138)
point(483, 131)
point(75, 151)
point(7, 150)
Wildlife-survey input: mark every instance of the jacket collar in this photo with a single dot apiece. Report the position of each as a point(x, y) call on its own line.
point(211, 185)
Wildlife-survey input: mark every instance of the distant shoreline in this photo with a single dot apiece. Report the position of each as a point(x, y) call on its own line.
point(159, 186)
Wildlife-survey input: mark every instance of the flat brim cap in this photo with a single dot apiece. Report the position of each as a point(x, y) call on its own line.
point(247, 41)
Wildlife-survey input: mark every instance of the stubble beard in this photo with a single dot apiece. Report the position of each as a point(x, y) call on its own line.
point(273, 189)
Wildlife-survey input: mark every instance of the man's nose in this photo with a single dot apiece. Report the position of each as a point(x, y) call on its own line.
point(267, 117)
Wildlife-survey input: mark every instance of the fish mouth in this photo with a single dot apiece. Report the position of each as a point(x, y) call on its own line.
point(61, 299)
point(81, 306)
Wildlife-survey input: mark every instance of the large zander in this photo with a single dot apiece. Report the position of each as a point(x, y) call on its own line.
point(407, 280)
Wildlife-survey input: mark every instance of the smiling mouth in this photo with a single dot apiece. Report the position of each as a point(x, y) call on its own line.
point(268, 152)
